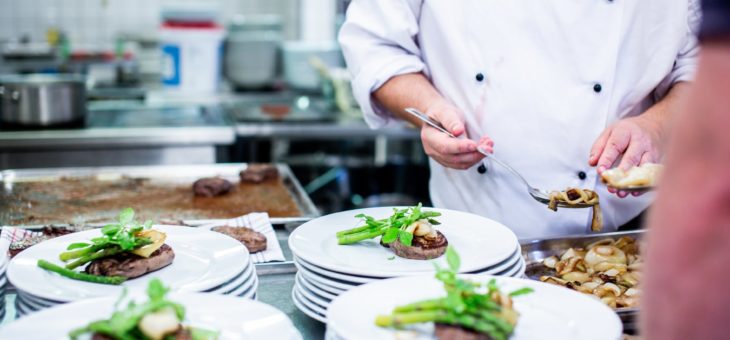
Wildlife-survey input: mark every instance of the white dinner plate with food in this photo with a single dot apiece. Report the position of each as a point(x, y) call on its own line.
point(308, 308)
point(247, 292)
point(244, 278)
point(233, 317)
point(482, 243)
point(313, 279)
point(327, 281)
point(549, 312)
point(299, 279)
point(203, 260)
point(311, 296)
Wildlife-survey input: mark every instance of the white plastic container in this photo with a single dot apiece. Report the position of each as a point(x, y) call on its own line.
point(191, 58)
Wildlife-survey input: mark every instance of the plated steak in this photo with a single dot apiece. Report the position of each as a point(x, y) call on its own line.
point(211, 187)
point(130, 265)
point(449, 332)
point(422, 247)
point(257, 173)
point(253, 240)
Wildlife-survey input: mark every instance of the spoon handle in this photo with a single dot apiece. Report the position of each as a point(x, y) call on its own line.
point(504, 165)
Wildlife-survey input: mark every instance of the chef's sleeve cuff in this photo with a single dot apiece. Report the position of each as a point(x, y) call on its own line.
point(372, 76)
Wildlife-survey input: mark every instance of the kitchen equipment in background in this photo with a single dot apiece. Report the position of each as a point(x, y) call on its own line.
point(252, 51)
point(299, 73)
point(191, 43)
point(42, 100)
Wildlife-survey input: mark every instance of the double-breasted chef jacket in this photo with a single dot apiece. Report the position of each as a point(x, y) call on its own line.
point(542, 78)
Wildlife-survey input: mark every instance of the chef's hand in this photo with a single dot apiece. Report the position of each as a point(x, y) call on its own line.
point(456, 153)
point(635, 140)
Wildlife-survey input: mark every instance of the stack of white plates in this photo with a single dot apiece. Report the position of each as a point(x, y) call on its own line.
point(233, 318)
point(204, 262)
point(327, 269)
point(549, 312)
point(3, 284)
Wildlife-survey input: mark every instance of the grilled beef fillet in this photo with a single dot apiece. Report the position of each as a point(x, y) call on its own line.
point(257, 173)
point(253, 240)
point(181, 334)
point(211, 187)
point(130, 265)
point(422, 247)
point(458, 333)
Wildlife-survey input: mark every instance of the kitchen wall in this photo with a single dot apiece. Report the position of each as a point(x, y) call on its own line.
point(93, 24)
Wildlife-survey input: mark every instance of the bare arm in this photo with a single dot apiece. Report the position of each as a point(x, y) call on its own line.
point(415, 90)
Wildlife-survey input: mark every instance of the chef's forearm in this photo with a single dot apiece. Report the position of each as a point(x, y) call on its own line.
point(660, 114)
point(407, 90)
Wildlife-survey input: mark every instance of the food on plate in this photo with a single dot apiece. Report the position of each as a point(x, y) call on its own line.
point(156, 319)
point(609, 269)
point(130, 265)
point(257, 173)
point(469, 309)
point(409, 232)
point(124, 250)
point(47, 233)
point(642, 176)
point(211, 187)
point(575, 196)
point(253, 240)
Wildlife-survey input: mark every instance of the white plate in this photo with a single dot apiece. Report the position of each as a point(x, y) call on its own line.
point(550, 312)
point(234, 317)
point(247, 291)
point(313, 279)
point(243, 287)
point(203, 260)
point(36, 305)
point(242, 279)
point(328, 281)
point(481, 243)
point(34, 302)
point(299, 279)
point(304, 308)
point(311, 296)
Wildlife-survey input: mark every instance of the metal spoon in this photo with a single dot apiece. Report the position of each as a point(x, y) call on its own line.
point(541, 196)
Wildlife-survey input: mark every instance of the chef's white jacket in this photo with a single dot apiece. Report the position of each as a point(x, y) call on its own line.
point(543, 78)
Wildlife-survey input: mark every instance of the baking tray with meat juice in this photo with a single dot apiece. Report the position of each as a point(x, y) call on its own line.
point(534, 251)
point(94, 196)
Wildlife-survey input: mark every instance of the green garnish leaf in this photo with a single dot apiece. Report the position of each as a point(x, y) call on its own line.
point(522, 291)
point(390, 235)
point(452, 258)
point(77, 245)
point(110, 229)
point(391, 258)
point(126, 216)
point(405, 238)
point(156, 290)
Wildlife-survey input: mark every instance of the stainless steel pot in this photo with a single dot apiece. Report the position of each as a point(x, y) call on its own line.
point(42, 100)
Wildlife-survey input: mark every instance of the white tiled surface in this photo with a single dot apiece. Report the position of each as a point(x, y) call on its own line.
point(93, 24)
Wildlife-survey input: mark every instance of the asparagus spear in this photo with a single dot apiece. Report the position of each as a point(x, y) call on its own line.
point(91, 257)
point(354, 238)
point(108, 280)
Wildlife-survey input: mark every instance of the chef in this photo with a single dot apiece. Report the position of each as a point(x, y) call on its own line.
point(560, 90)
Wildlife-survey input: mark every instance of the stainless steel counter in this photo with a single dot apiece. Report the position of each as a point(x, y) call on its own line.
point(341, 128)
point(122, 124)
point(124, 133)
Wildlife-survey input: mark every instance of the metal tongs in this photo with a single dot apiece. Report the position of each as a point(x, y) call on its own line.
point(541, 196)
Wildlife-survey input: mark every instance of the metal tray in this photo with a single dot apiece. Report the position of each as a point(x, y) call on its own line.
point(534, 251)
point(162, 176)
